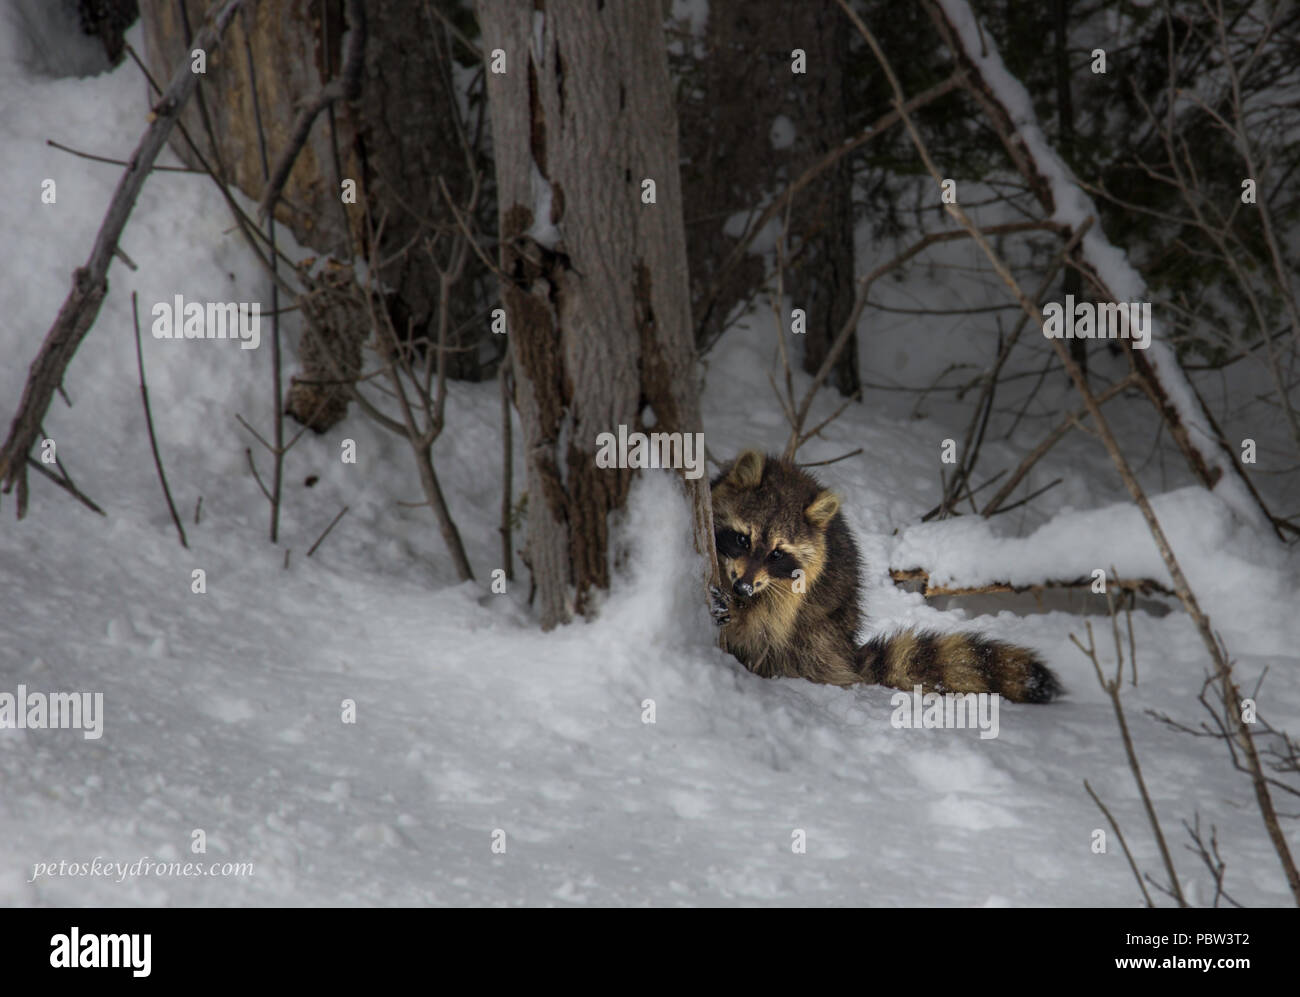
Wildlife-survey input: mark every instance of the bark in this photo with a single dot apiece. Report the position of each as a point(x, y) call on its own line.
point(408, 139)
point(599, 319)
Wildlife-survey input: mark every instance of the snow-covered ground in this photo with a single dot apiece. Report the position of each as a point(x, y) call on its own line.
point(223, 711)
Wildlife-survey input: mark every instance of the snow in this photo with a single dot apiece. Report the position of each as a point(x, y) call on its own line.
point(766, 239)
point(1073, 208)
point(694, 14)
point(782, 133)
point(45, 37)
point(224, 711)
point(543, 230)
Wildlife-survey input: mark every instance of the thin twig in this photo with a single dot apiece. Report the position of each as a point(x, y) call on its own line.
point(252, 466)
point(1028, 498)
point(67, 486)
point(1052, 438)
point(833, 460)
point(1122, 843)
point(244, 422)
point(507, 470)
point(1111, 687)
point(321, 538)
point(148, 421)
point(277, 404)
point(117, 162)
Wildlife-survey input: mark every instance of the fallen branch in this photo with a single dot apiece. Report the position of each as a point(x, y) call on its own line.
point(901, 576)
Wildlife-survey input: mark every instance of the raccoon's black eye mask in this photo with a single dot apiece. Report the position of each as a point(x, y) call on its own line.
point(781, 564)
point(730, 543)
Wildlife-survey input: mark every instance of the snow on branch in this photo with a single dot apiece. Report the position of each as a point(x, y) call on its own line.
point(967, 554)
point(1011, 110)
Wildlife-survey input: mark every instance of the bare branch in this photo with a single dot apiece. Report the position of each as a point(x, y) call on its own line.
point(321, 539)
point(148, 421)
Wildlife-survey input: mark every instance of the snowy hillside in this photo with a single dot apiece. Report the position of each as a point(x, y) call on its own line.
point(223, 711)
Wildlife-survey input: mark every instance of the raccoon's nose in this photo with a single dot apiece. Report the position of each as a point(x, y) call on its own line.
point(743, 588)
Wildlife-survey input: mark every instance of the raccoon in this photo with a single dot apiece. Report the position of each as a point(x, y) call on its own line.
point(790, 606)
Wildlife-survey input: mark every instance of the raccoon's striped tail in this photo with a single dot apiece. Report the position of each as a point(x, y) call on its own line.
point(957, 662)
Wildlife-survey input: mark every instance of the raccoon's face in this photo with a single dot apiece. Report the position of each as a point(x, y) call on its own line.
point(750, 560)
point(769, 528)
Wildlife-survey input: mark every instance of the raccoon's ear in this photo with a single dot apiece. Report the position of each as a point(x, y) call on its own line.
point(747, 471)
point(822, 509)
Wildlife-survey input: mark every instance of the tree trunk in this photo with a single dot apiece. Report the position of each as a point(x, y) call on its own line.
point(293, 58)
point(743, 143)
point(395, 142)
point(596, 290)
point(823, 274)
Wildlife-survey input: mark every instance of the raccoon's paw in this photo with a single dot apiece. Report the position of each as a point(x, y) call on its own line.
point(720, 606)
